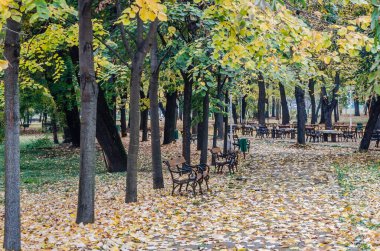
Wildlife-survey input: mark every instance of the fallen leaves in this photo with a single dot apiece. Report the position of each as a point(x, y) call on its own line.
point(282, 197)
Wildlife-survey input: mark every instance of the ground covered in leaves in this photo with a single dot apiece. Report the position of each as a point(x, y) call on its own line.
point(320, 197)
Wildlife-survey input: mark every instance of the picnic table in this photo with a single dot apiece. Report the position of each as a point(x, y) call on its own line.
point(331, 133)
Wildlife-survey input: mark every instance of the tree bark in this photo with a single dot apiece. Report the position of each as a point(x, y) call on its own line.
point(301, 114)
point(170, 119)
point(12, 225)
point(284, 105)
point(219, 115)
point(234, 113)
point(273, 107)
point(158, 179)
point(187, 96)
point(357, 106)
point(329, 106)
point(143, 46)
point(109, 138)
point(374, 113)
point(226, 129)
point(54, 127)
point(261, 101)
point(314, 117)
point(199, 134)
point(89, 93)
point(243, 108)
point(336, 112)
point(323, 109)
point(123, 118)
point(278, 105)
point(144, 120)
point(204, 150)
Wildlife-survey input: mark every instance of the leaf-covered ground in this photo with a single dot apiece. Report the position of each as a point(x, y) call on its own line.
point(320, 197)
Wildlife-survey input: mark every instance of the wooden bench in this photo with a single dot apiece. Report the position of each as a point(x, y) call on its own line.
point(185, 174)
point(221, 160)
point(376, 137)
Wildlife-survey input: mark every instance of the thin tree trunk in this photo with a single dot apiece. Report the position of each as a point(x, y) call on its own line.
point(158, 180)
point(204, 146)
point(243, 108)
point(357, 106)
point(273, 107)
point(123, 119)
point(226, 130)
point(284, 105)
point(261, 101)
point(301, 114)
point(170, 122)
point(278, 105)
point(314, 117)
point(144, 120)
point(199, 134)
point(89, 93)
point(374, 113)
point(234, 113)
point(323, 110)
point(187, 93)
point(12, 225)
point(143, 46)
point(54, 127)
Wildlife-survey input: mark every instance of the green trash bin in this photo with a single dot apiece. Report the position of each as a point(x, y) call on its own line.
point(176, 134)
point(243, 145)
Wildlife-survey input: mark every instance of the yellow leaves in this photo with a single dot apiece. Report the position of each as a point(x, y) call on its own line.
point(342, 32)
point(3, 64)
point(148, 10)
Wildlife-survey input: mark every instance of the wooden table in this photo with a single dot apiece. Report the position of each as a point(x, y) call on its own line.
point(333, 134)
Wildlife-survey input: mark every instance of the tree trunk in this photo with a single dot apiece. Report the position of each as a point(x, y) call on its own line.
point(336, 113)
point(187, 93)
point(73, 123)
point(329, 106)
point(219, 115)
point(261, 101)
point(273, 107)
point(301, 114)
point(226, 129)
point(284, 105)
point(204, 146)
point(144, 120)
point(374, 113)
point(158, 180)
point(194, 127)
point(234, 114)
point(89, 93)
point(323, 110)
point(357, 106)
point(243, 108)
point(314, 117)
point(12, 225)
point(170, 119)
point(143, 46)
point(278, 105)
point(199, 134)
point(109, 138)
point(123, 119)
point(54, 127)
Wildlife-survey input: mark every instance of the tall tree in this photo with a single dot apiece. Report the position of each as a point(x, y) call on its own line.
point(89, 93)
point(12, 225)
point(170, 118)
point(330, 104)
point(205, 116)
point(374, 113)
point(143, 47)
point(158, 180)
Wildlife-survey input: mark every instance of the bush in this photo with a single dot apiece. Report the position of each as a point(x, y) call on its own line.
point(40, 143)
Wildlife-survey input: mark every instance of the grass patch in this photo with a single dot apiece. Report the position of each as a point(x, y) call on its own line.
point(42, 162)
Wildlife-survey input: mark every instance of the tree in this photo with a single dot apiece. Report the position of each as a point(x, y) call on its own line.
point(314, 116)
point(89, 93)
point(301, 114)
point(12, 225)
point(261, 101)
point(158, 180)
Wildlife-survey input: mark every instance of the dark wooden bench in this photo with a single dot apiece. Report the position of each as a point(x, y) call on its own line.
point(221, 160)
point(185, 174)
